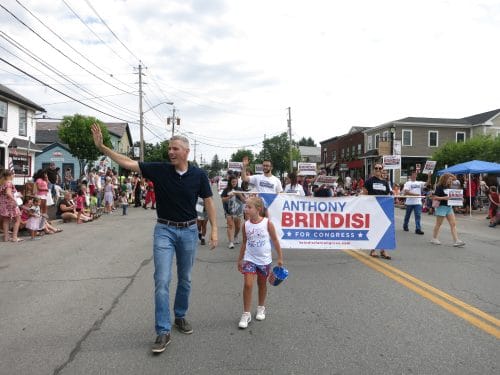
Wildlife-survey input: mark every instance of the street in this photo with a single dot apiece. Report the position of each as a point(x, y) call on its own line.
point(81, 302)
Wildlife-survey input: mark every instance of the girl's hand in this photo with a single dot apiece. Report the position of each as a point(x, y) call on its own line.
point(280, 262)
point(240, 265)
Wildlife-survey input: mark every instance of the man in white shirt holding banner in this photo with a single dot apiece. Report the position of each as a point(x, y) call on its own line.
point(414, 188)
point(264, 183)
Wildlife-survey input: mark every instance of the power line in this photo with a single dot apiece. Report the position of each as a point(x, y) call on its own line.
point(54, 70)
point(69, 45)
point(58, 50)
point(93, 32)
point(62, 93)
point(111, 31)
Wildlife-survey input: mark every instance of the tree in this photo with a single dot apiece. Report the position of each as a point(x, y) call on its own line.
point(156, 152)
point(75, 132)
point(277, 149)
point(238, 155)
point(481, 147)
point(307, 142)
point(216, 165)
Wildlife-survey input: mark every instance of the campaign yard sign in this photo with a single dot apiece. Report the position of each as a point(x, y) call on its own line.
point(429, 167)
point(307, 169)
point(456, 197)
point(235, 166)
point(259, 169)
point(391, 161)
point(364, 222)
point(325, 180)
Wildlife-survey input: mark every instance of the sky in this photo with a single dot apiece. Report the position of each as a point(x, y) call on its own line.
point(233, 68)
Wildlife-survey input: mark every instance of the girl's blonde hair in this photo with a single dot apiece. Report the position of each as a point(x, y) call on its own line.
point(444, 179)
point(258, 204)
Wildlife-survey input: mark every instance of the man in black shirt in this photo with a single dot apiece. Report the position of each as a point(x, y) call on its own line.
point(178, 185)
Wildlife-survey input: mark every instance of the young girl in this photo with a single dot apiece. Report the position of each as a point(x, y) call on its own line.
point(233, 209)
point(80, 205)
point(35, 216)
point(255, 258)
point(108, 196)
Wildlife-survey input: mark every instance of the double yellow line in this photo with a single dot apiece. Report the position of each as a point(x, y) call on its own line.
point(474, 316)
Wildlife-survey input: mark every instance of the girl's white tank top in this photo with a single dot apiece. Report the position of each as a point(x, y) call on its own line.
point(258, 249)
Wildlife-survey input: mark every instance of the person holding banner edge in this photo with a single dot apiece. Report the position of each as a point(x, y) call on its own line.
point(377, 185)
point(264, 183)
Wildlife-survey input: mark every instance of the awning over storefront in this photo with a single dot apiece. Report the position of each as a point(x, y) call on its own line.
point(355, 164)
point(23, 145)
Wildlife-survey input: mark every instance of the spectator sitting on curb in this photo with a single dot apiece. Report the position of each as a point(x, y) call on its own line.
point(66, 210)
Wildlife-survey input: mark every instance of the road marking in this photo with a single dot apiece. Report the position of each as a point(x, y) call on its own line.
point(474, 316)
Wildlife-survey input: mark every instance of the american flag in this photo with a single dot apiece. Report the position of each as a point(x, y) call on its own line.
point(11, 165)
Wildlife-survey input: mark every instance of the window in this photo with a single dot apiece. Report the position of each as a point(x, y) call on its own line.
point(342, 153)
point(407, 137)
point(347, 152)
point(433, 138)
point(460, 136)
point(385, 136)
point(334, 155)
point(21, 165)
point(324, 156)
point(23, 121)
point(359, 148)
point(370, 143)
point(377, 139)
point(3, 116)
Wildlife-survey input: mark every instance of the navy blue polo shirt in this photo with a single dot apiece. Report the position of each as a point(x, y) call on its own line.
point(176, 194)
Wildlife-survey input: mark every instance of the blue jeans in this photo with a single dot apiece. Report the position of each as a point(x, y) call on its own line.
point(418, 214)
point(182, 242)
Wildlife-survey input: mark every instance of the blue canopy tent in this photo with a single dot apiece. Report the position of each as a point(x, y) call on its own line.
point(472, 167)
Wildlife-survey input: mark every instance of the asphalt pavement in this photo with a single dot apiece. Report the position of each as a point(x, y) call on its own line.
point(81, 302)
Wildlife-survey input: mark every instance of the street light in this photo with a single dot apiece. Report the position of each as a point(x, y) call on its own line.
point(141, 127)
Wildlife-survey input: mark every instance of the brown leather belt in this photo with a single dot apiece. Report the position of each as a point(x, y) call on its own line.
point(177, 224)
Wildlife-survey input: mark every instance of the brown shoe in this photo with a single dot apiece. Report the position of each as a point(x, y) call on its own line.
point(161, 343)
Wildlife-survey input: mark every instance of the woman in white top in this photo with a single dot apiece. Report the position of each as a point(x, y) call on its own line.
point(293, 187)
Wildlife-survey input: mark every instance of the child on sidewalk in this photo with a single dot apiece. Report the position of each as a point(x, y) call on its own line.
point(255, 257)
point(34, 219)
point(124, 202)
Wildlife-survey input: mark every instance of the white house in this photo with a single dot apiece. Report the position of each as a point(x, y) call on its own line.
point(17, 134)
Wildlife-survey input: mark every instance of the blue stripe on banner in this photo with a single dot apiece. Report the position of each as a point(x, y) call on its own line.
point(268, 198)
point(318, 234)
point(388, 240)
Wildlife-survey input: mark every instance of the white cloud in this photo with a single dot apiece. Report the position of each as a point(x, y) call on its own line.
point(233, 67)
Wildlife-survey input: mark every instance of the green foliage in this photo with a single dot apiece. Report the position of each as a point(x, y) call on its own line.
point(156, 152)
point(307, 142)
point(216, 165)
point(484, 148)
point(238, 155)
point(75, 132)
point(277, 149)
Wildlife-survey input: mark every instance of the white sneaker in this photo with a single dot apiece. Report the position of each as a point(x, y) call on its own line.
point(245, 319)
point(435, 241)
point(231, 245)
point(459, 243)
point(261, 313)
point(236, 241)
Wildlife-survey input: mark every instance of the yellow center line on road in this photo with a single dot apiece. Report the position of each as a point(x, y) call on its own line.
point(455, 306)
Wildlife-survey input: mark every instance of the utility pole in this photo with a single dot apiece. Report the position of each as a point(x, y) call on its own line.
point(174, 120)
point(194, 151)
point(290, 136)
point(141, 118)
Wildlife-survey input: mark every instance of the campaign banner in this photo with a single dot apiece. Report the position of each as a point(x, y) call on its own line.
point(391, 161)
point(307, 169)
point(456, 197)
point(363, 222)
point(259, 169)
point(325, 180)
point(429, 167)
point(234, 166)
